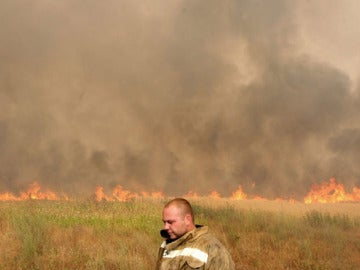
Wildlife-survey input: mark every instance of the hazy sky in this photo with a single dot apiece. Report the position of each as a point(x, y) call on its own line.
point(179, 95)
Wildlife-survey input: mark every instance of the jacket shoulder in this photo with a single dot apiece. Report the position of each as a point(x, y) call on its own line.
point(218, 256)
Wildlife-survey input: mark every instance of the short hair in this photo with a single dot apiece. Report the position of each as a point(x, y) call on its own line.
point(182, 204)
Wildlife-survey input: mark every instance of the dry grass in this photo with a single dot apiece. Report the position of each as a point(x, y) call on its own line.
point(115, 235)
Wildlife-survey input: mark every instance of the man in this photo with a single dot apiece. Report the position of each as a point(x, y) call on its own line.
point(189, 246)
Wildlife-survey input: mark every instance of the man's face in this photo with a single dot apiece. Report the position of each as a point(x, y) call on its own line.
point(175, 222)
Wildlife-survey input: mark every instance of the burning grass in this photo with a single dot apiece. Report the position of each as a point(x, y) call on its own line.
point(326, 192)
point(124, 235)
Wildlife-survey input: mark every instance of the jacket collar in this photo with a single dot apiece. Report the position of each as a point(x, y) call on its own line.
point(193, 234)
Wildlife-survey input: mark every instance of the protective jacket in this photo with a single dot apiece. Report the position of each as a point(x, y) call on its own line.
point(197, 249)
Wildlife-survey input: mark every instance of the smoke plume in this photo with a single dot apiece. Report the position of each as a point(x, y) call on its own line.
point(176, 96)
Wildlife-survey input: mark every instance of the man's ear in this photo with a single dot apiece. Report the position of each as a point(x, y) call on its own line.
point(188, 219)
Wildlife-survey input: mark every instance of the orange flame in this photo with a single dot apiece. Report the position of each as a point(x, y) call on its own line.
point(157, 194)
point(331, 192)
point(123, 195)
point(239, 194)
point(356, 194)
point(7, 196)
point(33, 193)
point(215, 195)
point(191, 194)
point(100, 194)
point(327, 192)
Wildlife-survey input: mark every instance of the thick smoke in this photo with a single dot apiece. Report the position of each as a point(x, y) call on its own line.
point(178, 96)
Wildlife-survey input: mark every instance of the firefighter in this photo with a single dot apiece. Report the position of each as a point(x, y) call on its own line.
point(188, 246)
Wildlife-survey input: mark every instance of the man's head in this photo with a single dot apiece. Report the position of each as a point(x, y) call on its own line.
point(178, 218)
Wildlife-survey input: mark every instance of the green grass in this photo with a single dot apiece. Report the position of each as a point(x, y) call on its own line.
point(125, 235)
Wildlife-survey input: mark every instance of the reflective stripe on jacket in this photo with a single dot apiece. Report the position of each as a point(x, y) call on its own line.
point(197, 249)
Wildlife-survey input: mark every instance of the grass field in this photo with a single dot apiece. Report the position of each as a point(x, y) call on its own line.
point(38, 234)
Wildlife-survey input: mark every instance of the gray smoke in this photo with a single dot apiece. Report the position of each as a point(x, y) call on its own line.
point(187, 95)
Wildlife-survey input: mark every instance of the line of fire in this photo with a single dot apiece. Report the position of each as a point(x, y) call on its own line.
point(327, 192)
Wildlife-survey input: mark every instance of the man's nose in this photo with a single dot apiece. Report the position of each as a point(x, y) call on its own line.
point(166, 226)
